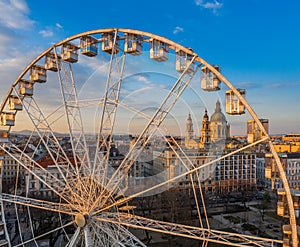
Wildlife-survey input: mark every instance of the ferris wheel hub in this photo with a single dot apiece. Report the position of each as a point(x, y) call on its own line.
point(80, 220)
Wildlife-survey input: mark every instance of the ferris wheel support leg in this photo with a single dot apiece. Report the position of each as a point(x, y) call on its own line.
point(99, 238)
point(87, 236)
point(74, 238)
point(123, 237)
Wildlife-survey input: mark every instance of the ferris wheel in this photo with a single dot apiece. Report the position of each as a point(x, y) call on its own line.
point(65, 183)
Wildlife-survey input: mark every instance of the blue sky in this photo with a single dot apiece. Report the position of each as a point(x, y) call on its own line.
point(255, 42)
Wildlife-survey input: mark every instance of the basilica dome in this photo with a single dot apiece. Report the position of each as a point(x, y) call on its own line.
point(218, 116)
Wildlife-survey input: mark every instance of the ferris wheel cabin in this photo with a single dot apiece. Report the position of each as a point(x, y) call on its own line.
point(133, 44)
point(69, 53)
point(3, 138)
point(282, 209)
point(183, 62)
point(25, 88)
point(89, 46)
point(233, 105)
point(209, 81)
point(271, 170)
point(7, 119)
point(15, 103)
point(38, 74)
point(50, 62)
point(158, 51)
point(108, 44)
point(287, 235)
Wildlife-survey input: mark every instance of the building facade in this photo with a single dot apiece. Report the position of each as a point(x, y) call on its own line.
point(213, 130)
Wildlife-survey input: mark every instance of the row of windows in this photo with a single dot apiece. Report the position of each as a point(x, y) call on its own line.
point(9, 162)
point(9, 173)
point(218, 178)
point(12, 167)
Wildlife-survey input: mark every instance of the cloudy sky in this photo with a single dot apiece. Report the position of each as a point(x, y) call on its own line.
point(256, 43)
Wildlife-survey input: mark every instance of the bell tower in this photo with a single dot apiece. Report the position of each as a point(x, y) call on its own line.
point(205, 132)
point(189, 130)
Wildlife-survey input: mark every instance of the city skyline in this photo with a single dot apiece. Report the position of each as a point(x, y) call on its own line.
point(254, 44)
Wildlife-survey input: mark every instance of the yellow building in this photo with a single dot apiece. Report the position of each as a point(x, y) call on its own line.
point(253, 131)
point(290, 143)
point(287, 147)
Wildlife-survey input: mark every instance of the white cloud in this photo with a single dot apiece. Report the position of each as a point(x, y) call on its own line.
point(7, 36)
point(12, 66)
point(59, 26)
point(214, 6)
point(142, 77)
point(14, 14)
point(46, 33)
point(178, 29)
point(20, 5)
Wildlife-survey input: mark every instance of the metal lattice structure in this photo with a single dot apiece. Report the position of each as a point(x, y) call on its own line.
point(87, 201)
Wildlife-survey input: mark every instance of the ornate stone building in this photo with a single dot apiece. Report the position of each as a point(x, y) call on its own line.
point(214, 130)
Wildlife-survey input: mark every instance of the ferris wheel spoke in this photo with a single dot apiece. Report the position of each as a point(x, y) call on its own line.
point(26, 161)
point(185, 163)
point(161, 113)
point(226, 238)
point(74, 119)
point(176, 178)
point(109, 108)
point(44, 234)
point(56, 154)
point(72, 110)
point(36, 203)
point(43, 176)
point(45, 132)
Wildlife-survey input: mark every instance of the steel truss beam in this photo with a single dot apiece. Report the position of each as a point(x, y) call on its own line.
point(73, 114)
point(36, 203)
point(108, 114)
point(226, 238)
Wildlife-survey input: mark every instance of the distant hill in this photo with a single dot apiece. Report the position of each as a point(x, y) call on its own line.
point(29, 132)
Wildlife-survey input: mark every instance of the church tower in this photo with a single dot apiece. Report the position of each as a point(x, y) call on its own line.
point(189, 130)
point(218, 125)
point(205, 132)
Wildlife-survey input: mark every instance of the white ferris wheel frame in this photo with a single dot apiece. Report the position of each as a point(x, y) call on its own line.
point(79, 144)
